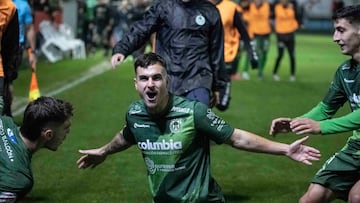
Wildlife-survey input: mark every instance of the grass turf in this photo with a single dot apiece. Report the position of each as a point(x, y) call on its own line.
point(100, 104)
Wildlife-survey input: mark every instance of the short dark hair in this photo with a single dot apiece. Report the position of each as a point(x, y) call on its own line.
point(350, 13)
point(42, 111)
point(149, 59)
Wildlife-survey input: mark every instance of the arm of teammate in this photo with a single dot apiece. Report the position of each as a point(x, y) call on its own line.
point(306, 123)
point(244, 140)
point(341, 124)
point(93, 157)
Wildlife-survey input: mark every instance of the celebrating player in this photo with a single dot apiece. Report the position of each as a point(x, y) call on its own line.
point(339, 177)
point(173, 134)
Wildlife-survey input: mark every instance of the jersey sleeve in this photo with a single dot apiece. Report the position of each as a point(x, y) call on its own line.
point(209, 124)
point(345, 123)
point(320, 112)
point(128, 136)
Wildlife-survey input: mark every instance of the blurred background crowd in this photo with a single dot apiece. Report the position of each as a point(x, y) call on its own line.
point(101, 23)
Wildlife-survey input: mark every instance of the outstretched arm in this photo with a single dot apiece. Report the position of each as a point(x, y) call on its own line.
point(93, 157)
point(241, 139)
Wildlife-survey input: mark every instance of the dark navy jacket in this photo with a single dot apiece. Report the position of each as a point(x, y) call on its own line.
point(189, 36)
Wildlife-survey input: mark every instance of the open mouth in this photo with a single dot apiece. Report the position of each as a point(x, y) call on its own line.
point(151, 96)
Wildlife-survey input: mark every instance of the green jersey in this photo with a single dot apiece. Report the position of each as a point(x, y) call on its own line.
point(15, 172)
point(176, 149)
point(344, 87)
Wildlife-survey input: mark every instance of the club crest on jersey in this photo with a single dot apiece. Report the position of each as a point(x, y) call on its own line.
point(175, 125)
point(200, 20)
point(135, 109)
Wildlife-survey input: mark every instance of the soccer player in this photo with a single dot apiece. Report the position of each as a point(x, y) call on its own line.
point(173, 135)
point(339, 177)
point(46, 122)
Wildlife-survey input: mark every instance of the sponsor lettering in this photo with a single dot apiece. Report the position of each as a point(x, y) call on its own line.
point(2, 131)
point(354, 100)
point(162, 145)
point(152, 167)
point(180, 109)
point(7, 147)
point(6, 143)
point(216, 122)
point(136, 125)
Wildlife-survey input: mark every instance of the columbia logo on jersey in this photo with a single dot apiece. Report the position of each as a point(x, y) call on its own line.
point(160, 145)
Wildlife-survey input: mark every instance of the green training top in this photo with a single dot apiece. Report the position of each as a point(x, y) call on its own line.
point(176, 150)
point(15, 159)
point(344, 87)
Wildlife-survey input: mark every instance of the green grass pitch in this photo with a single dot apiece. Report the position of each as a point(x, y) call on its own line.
point(100, 104)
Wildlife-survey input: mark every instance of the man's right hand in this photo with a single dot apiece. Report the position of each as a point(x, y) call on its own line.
point(117, 59)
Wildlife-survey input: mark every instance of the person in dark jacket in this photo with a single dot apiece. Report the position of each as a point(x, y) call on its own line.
point(189, 35)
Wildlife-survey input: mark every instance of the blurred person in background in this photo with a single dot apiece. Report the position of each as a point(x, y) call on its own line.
point(286, 24)
point(339, 177)
point(9, 58)
point(27, 36)
point(234, 30)
point(260, 25)
point(189, 35)
point(134, 11)
point(27, 42)
point(104, 22)
point(245, 8)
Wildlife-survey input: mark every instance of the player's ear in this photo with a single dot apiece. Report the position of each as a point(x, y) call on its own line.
point(135, 84)
point(47, 133)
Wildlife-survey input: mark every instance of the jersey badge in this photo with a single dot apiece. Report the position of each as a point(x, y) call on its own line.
point(175, 125)
point(135, 109)
point(200, 20)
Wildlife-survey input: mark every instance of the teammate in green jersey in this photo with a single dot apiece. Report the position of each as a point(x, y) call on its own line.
point(46, 121)
point(340, 175)
point(173, 134)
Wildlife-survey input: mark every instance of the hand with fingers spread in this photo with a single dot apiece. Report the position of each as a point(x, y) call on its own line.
point(117, 59)
point(303, 153)
point(280, 125)
point(91, 158)
point(305, 125)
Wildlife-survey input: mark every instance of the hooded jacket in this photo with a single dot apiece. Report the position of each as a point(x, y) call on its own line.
point(189, 36)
